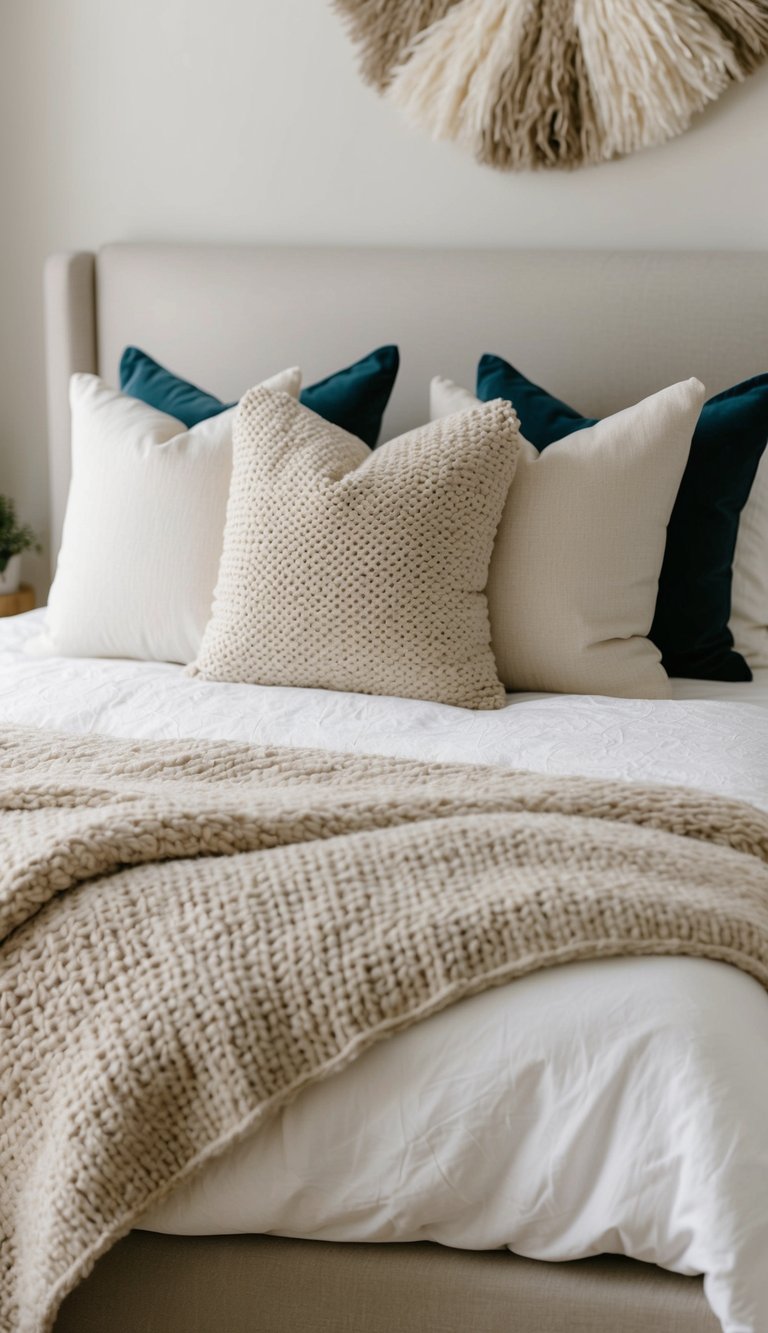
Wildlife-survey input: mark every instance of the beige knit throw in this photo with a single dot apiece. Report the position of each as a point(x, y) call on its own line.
point(192, 933)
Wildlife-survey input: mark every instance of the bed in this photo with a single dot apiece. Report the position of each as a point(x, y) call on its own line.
point(229, 316)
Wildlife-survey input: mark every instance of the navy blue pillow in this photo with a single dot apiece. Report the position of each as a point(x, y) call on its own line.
point(690, 626)
point(354, 398)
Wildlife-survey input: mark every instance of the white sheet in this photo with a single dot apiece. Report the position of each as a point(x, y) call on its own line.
point(618, 1105)
point(699, 738)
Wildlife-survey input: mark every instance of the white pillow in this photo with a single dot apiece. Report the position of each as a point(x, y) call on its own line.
point(749, 615)
point(574, 574)
point(144, 527)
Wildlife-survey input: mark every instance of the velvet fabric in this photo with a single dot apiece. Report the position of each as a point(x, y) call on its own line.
point(354, 398)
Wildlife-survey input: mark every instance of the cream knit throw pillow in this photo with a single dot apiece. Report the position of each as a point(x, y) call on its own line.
point(350, 570)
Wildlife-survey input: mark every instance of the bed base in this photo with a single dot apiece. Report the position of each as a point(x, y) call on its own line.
point(261, 1284)
point(226, 317)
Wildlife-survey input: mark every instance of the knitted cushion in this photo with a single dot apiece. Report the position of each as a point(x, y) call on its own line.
point(350, 570)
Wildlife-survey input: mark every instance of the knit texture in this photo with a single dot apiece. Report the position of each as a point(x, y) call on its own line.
point(350, 570)
point(193, 933)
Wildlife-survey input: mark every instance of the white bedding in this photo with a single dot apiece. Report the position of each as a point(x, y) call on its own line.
point(619, 1105)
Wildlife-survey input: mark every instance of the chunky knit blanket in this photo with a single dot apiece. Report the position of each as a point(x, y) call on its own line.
point(193, 933)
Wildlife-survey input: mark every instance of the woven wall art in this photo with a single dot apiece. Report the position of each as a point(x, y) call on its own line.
point(555, 83)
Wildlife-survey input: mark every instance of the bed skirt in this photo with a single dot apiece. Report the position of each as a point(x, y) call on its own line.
point(263, 1284)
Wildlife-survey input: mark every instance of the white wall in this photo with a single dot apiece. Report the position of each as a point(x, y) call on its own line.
point(245, 120)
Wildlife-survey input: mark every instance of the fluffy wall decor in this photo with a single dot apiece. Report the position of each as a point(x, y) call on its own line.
point(528, 84)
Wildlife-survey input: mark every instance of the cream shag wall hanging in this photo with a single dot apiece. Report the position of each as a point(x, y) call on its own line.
point(556, 83)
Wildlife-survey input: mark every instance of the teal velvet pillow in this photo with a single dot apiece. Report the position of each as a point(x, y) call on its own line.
point(354, 398)
point(690, 626)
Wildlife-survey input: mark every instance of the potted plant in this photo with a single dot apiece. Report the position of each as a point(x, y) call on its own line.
point(15, 537)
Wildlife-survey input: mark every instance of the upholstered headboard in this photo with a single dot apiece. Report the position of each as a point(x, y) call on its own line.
point(601, 329)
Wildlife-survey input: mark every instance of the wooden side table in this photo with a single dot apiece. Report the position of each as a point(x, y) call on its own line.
point(13, 603)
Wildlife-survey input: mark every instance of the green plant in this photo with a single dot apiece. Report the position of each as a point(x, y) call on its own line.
point(15, 537)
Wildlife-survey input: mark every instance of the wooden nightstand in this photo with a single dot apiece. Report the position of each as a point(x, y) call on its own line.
point(13, 603)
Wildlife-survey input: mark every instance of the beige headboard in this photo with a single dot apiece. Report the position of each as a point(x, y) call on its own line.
point(601, 329)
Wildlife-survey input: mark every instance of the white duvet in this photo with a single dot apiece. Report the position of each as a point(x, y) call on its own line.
point(619, 1105)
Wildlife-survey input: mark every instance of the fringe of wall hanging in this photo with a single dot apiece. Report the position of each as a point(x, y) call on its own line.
point(527, 84)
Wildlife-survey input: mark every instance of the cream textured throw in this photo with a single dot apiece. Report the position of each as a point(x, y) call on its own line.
point(192, 933)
